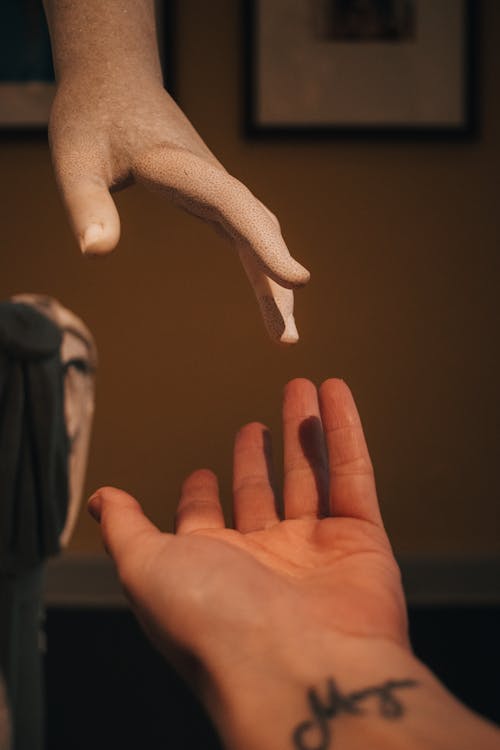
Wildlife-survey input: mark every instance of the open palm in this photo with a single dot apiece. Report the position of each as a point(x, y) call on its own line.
point(322, 561)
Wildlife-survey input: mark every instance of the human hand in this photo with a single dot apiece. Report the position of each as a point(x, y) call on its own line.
point(327, 555)
point(113, 124)
point(321, 572)
point(292, 620)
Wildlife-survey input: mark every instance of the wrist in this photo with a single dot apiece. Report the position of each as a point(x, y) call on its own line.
point(285, 696)
point(302, 696)
point(96, 40)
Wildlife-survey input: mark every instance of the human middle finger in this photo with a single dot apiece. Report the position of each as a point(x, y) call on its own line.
point(254, 502)
point(305, 490)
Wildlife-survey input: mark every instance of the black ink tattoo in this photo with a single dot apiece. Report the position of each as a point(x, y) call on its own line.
point(315, 734)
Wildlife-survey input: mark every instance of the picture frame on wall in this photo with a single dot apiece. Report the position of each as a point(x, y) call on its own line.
point(27, 83)
point(360, 67)
point(26, 71)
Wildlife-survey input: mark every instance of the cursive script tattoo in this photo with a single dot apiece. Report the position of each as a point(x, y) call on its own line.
point(315, 734)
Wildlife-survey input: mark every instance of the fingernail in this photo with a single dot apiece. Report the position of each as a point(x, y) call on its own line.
point(94, 506)
point(92, 234)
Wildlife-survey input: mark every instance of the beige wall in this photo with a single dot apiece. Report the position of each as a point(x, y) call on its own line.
point(402, 242)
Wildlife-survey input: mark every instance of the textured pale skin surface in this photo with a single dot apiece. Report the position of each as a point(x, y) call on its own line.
point(77, 344)
point(113, 124)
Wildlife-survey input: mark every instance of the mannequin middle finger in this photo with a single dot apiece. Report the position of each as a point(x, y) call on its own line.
point(305, 491)
point(209, 192)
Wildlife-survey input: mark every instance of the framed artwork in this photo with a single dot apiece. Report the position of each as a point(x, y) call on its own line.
point(360, 67)
point(27, 84)
point(26, 71)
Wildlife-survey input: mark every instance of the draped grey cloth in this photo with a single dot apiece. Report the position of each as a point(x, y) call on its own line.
point(34, 451)
point(47, 364)
point(34, 445)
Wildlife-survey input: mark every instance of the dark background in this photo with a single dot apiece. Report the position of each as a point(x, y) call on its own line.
point(107, 687)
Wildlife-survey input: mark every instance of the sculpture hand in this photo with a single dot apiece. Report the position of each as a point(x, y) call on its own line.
point(324, 566)
point(113, 124)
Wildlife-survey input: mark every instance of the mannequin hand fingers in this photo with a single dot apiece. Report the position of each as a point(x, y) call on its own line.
point(91, 209)
point(211, 193)
point(275, 302)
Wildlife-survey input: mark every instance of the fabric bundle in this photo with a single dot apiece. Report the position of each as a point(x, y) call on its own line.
point(34, 445)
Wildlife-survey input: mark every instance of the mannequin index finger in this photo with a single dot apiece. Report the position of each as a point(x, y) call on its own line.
point(208, 191)
point(275, 302)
